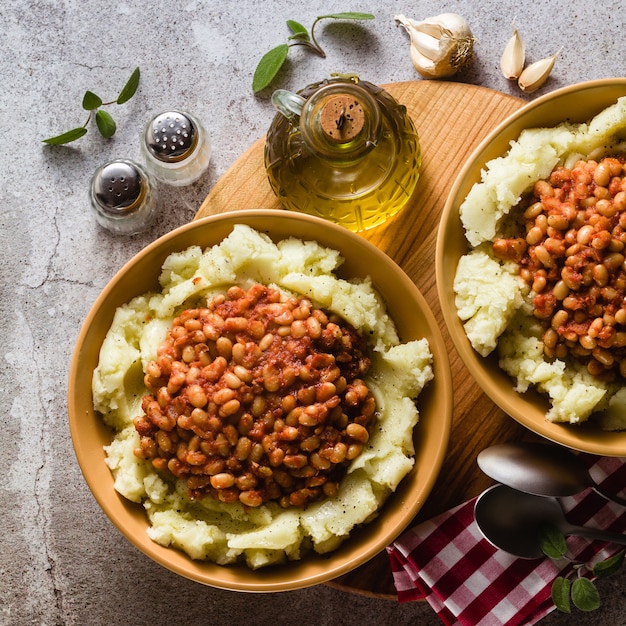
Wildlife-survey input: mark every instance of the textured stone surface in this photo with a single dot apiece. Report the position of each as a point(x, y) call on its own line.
point(62, 561)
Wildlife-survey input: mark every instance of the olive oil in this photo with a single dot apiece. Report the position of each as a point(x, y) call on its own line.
point(347, 152)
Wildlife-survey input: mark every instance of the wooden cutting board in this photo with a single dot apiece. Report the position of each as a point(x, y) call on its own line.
point(451, 120)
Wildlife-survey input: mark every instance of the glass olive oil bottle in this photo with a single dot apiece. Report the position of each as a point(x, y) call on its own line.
point(344, 150)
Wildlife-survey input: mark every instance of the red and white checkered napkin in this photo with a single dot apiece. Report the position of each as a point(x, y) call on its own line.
point(447, 562)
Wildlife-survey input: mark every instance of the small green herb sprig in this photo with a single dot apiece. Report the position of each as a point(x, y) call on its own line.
point(273, 60)
point(581, 591)
point(104, 121)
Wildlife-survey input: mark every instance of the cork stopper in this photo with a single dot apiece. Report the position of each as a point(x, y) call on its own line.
point(342, 118)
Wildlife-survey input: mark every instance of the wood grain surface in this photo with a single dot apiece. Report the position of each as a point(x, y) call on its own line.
point(451, 120)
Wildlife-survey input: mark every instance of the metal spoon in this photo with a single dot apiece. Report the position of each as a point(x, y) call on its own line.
point(511, 521)
point(540, 469)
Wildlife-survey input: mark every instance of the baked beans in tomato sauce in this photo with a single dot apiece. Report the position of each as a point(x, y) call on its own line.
point(257, 398)
point(569, 246)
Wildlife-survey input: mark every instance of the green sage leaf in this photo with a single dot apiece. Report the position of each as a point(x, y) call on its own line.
point(91, 101)
point(129, 89)
point(70, 135)
point(297, 29)
point(552, 541)
point(609, 566)
point(268, 67)
point(347, 16)
point(585, 596)
point(561, 593)
point(106, 124)
point(300, 37)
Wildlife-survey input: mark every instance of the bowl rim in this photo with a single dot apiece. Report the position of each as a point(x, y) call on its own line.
point(572, 436)
point(410, 505)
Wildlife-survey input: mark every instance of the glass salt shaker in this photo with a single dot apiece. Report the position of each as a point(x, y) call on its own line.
point(123, 197)
point(176, 148)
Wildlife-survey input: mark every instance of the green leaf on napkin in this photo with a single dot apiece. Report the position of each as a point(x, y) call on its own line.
point(560, 594)
point(609, 566)
point(582, 591)
point(552, 541)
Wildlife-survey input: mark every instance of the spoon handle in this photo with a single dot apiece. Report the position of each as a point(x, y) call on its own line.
point(610, 497)
point(600, 535)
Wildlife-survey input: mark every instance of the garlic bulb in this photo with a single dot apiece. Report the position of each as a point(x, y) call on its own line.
point(440, 45)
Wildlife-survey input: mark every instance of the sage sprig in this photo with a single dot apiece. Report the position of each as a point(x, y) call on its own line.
point(581, 591)
point(104, 120)
point(273, 60)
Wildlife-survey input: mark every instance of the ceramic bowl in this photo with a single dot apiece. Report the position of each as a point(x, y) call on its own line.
point(413, 319)
point(577, 103)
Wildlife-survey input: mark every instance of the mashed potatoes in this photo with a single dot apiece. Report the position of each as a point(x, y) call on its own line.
point(226, 533)
point(494, 302)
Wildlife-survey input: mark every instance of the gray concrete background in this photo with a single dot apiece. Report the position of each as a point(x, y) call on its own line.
point(61, 560)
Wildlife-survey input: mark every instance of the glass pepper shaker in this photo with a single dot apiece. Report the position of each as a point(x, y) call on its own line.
point(176, 148)
point(123, 197)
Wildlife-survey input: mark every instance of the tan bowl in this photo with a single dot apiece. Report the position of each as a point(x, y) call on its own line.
point(413, 319)
point(577, 103)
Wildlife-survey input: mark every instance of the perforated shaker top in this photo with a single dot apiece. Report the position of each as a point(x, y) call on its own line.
point(171, 136)
point(117, 187)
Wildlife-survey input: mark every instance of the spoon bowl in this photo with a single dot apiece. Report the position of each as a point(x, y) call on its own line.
point(512, 521)
point(539, 469)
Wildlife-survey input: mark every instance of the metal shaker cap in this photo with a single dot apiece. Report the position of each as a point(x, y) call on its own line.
point(118, 187)
point(171, 136)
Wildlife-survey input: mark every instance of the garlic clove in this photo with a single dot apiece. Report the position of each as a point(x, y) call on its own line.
point(536, 74)
point(452, 22)
point(405, 21)
point(434, 29)
point(513, 57)
point(427, 45)
point(425, 66)
point(440, 45)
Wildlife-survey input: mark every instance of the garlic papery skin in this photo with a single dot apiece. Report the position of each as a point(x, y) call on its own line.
point(536, 74)
point(513, 57)
point(440, 45)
